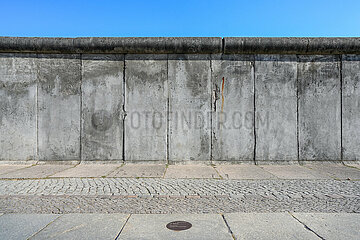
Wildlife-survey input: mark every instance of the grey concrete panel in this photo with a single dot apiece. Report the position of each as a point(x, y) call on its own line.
point(319, 108)
point(146, 107)
point(190, 108)
point(351, 107)
point(84, 226)
point(23, 226)
point(276, 107)
point(59, 82)
point(267, 226)
point(153, 226)
point(332, 225)
point(18, 74)
point(233, 107)
point(102, 107)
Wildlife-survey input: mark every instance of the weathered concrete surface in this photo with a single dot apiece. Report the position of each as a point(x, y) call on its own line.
point(233, 107)
point(276, 107)
point(23, 226)
point(18, 113)
point(91, 170)
point(37, 171)
point(293, 172)
point(146, 107)
point(267, 226)
point(351, 107)
point(142, 45)
point(319, 108)
point(4, 168)
point(204, 226)
point(243, 172)
point(80, 226)
point(190, 108)
point(190, 171)
point(337, 171)
point(332, 226)
point(102, 106)
point(139, 170)
point(59, 107)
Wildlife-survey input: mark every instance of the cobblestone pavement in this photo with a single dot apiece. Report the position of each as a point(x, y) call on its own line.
point(130, 195)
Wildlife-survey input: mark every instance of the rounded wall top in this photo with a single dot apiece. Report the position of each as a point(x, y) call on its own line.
point(182, 45)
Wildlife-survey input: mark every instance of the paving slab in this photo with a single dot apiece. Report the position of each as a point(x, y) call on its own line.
point(293, 172)
point(267, 226)
point(23, 226)
point(204, 226)
point(332, 226)
point(139, 170)
point(337, 171)
point(243, 172)
point(88, 170)
point(80, 226)
point(6, 168)
point(37, 171)
point(191, 171)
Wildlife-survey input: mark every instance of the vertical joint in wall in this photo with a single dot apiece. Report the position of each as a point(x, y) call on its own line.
point(254, 101)
point(297, 110)
point(341, 109)
point(124, 110)
point(167, 111)
point(81, 112)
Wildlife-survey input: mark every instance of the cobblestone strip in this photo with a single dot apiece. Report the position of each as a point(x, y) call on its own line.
point(181, 187)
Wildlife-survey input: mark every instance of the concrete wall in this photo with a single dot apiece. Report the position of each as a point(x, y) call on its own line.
point(180, 100)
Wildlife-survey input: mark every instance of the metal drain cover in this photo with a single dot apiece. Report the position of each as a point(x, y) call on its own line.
point(179, 225)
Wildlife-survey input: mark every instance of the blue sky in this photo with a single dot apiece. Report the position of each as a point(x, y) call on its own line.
point(272, 18)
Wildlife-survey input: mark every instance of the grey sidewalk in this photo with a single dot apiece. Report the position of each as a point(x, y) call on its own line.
point(244, 171)
point(204, 226)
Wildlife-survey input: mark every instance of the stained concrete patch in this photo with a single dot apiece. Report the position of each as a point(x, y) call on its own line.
point(88, 170)
point(146, 106)
point(204, 226)
point(139, 170)
point(18, 99)
point(233, 107)
point(37, 171)
point(189, 107)
point(267, 226)
point(59, 106)
point(102, 107)
point(319, 113)
point(5, 168)
point(190, 171)
point(351, 107)
point(243, 172)
point(276, 107)
point(337, 171)
point(23, 226)
point(332, 226)
point(84, 226)
point(293, 172)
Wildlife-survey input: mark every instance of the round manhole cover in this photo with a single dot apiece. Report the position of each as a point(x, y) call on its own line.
point(179, 225)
